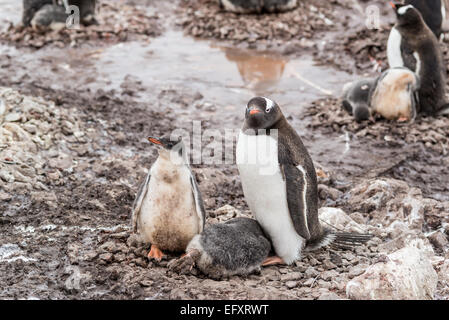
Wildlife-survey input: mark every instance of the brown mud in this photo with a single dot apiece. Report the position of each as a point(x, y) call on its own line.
point(65, 224)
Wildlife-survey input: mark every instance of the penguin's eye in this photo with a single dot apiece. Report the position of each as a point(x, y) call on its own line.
point(268, 109)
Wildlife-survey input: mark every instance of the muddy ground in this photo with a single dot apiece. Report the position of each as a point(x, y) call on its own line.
point(67, 186)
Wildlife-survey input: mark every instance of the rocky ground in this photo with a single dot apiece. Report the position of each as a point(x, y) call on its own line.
point(118, 22)
point(71, 161)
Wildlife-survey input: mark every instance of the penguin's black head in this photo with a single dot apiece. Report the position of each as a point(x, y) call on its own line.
point(262, 113)
point(165, 142)
point(362, 113)
point(407, 15)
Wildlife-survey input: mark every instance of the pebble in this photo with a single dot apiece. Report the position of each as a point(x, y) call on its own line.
point(13, 117)
point(291, 284)
point(106, 257)
point(328, 275)
point(310, 273)
point(291, 276)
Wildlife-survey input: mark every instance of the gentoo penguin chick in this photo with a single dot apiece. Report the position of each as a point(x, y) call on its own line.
point(168, 211)
point(280, 184)
point(393, 95)
point(356, 98)
point(49, 16)
point(258, 6)
point(236, 247)
point(416, 48)
point(45, 13)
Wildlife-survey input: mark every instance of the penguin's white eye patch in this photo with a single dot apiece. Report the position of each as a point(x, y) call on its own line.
point(269, 105)
point(403, 10)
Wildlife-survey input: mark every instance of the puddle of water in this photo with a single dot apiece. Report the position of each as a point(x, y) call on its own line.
point(226, 76)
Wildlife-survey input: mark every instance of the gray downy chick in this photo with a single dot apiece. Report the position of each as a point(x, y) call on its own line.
point(236, 247)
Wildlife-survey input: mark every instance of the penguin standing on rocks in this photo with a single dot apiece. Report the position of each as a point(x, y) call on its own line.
point(236, 247)
point(393, 95)
point(280, 184)
point(168, 211)
point(414, 46)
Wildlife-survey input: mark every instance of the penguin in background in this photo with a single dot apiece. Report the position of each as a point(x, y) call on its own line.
point(413, 45)
point(393, 95)
point(280, 184)
point(356, 98)
point(235, 247)
point(168, 211)
point(257, 6)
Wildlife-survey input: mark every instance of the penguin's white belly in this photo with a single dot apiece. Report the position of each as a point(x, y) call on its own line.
point(265, 193)
point(394, 53)
point(168, 215)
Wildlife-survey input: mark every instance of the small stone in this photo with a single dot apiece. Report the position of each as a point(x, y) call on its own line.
point(4, 196)
point(119, 257)
point(309, 282)
point(438, 240)
point(329, 296)
point(311, 273)
point(328, 275)
point(291, 276)
point(356, 271)
point(106, 257)
point(328, 264)
point(13, 117)
point(291, 284)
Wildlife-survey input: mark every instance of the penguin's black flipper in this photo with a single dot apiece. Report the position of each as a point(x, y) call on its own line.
point(143, 189)
point(198, 200)
point(346, 105)
point(407, 56)
point(296, 181)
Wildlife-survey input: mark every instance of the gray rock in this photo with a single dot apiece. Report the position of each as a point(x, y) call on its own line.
point(407, 274)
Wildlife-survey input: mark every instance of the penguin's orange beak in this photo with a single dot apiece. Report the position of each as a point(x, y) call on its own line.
point(254, 111)
point(392, 5)
point(154, 140)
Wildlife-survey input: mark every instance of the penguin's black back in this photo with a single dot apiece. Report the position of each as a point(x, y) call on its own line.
point(431, 13)
point(236, 244)
point(291, 153)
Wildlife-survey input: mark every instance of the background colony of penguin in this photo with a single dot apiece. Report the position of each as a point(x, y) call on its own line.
point(284, 202)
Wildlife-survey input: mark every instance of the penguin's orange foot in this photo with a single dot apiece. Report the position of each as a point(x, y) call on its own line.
point(155, 253)
point(403, 119)
point(270, 261)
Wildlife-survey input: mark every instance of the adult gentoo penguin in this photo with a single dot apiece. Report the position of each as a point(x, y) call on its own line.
point(236, 247)
point(433, 13)
point(393, 95)
point(418, 49)
point(280, 183)
point(168, 211)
